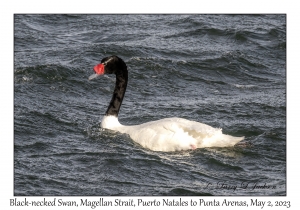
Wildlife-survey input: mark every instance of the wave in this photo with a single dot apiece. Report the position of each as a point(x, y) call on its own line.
point(43, 73)
point(185, 192)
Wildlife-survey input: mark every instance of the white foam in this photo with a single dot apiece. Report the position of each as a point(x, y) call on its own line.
point(244, 86)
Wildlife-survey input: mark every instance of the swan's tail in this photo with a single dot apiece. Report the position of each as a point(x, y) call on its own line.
point(219, 140)
point(232, 140)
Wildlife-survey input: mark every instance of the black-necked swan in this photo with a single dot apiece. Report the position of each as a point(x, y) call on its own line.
point(169, 134)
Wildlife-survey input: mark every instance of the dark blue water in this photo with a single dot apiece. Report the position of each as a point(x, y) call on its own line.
point(227, 71)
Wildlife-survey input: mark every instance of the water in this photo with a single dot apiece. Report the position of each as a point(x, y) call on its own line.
point(227, 71)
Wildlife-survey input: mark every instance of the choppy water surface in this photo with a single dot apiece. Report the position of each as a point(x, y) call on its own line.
point(228, 71)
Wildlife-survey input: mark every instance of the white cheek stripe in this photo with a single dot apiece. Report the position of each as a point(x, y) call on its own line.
point(105, 63)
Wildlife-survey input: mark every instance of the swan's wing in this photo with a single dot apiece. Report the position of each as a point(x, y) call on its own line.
point(205, 135)
point(161, 135)
point(173, 134)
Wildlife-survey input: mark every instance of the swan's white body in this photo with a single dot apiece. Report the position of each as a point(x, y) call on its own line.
point(172, 134)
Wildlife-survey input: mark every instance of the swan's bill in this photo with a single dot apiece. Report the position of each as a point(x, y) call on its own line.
point(93, 76)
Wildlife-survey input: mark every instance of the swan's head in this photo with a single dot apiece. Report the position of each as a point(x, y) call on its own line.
point(109, 65)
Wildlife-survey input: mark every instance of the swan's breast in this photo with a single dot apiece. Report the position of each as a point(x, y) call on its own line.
point(111, 122)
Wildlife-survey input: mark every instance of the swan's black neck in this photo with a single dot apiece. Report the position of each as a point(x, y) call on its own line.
point(120, 69)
